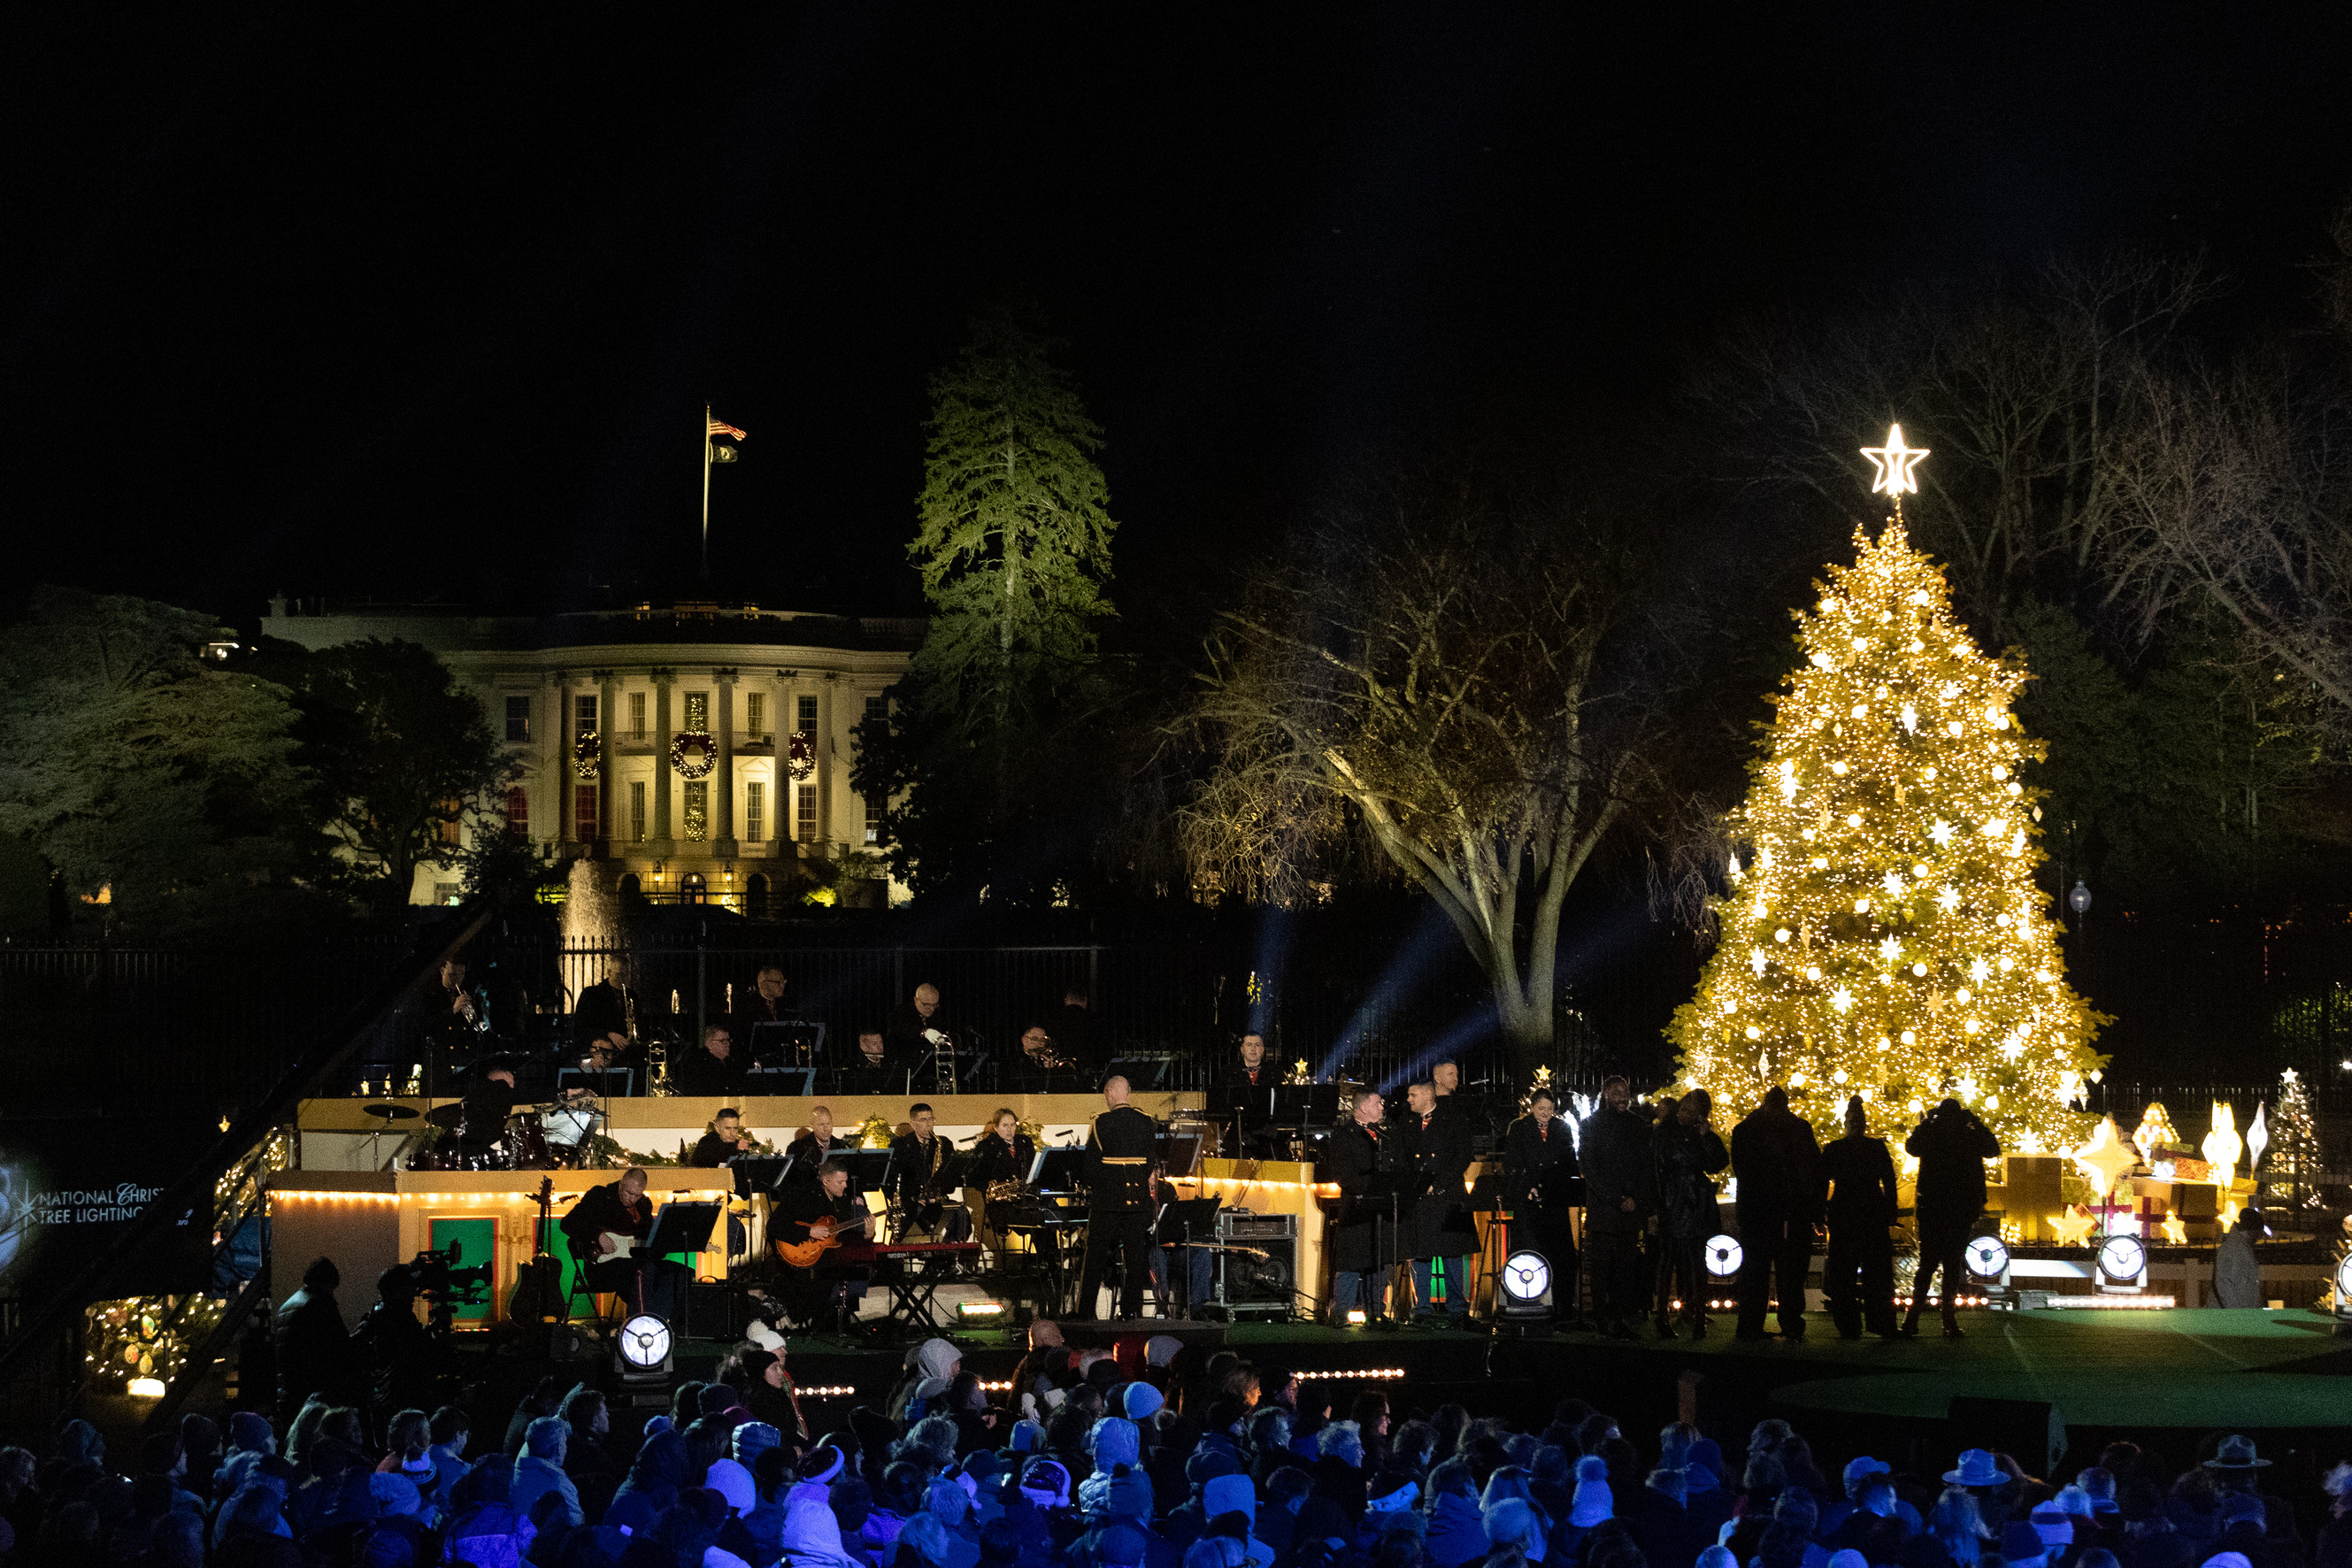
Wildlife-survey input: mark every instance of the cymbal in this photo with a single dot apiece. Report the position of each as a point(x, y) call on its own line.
point(391, 1112)
point(448, 1115)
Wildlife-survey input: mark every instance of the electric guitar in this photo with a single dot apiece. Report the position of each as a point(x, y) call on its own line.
point(824, 1235)
point(615, 1246)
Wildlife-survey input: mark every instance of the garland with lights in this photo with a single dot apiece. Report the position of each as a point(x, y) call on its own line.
point(587, 754)
point(693, 753)
point(1885, 938)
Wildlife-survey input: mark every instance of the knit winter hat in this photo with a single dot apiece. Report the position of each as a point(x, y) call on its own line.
point(1230, 1494)
point(1027, 1436)
point(1160, 1349)
point(250, 1429)
point(1121, 1546)
point(395, 1493)
point(1114, 1441)
point(1591, 1503)
point(753, 1439)
point(1141, 1401)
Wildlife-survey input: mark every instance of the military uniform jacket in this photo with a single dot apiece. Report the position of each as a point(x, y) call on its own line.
point(918, 1174)
point(1540, 1159)
point(1119, 1160)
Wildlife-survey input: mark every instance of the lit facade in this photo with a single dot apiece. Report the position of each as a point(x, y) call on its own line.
point(613, 713)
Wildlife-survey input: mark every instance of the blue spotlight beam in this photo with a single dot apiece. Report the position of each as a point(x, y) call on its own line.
point(1473, 1027)
point(1432, 937)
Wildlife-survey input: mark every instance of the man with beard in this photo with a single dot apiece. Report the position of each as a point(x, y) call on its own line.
point(1435, 1146)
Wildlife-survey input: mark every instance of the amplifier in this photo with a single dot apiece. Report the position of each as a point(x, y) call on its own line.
point(1257, 1264)
point(1247, 1224)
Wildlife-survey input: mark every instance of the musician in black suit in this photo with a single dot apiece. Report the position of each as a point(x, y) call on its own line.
point(1003, 1153)
point(873, 1067)
point(608, 1216)
point(921, 1173)
point(918, 1034)
point(1540, 1183)
point(1074, 1037)
point(1043, 1067)
point(812, 1210)
point(1435, 1147)
point(814, 1146)
point(1362, 1241)
point(602, 1011)
point(1250, 1074)
point(1119, 1201)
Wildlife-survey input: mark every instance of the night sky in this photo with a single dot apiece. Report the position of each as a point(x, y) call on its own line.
point(431, 309)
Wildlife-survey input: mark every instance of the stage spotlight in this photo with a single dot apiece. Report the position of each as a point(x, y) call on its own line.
point(1526, 1285)
point(2124, 1259)
point(1723, 1255)
point(1988, 1258)
point(1357, 1317)
point(645, 1349)
point(980, 1312)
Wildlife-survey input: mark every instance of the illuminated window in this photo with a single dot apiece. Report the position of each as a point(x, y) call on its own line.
point(584, 812)
point(697, 710)
point(873, 820)
point(755, 714)
point(447, 827)
point(583, 715)
point(637, 811)
point(807, 813)
point(519, 812)
point(755, 811)
point(808, 713)
point(518, 719)
point(637, 715)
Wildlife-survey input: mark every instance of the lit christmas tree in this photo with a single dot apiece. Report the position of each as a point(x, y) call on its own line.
point(2294, 1162)
point(1883, 936)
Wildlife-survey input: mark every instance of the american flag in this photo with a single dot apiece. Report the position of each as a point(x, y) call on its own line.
point(721, 427)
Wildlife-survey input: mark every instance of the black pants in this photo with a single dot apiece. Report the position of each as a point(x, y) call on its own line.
point(1772, 1243)
point(1551, 1231)
point(1128, 1230)
point(1682, 1274)
point(1858, 1278)
point(1942, 1240)
point(1620, 1287)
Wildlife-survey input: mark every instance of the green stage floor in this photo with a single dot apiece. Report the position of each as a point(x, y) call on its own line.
point(2199, 1367)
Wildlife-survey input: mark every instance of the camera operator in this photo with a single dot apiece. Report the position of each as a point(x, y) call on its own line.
point(1952, 1145)
point(404, 1362)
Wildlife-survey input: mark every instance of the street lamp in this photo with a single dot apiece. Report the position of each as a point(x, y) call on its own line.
point(2079, 900)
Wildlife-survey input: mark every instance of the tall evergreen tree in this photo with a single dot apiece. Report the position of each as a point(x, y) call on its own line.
point(1012, 541)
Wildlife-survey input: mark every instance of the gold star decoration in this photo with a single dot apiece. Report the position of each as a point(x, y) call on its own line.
point(2173, 1230)
point(2071, 1229)
point(2107, 1158)
point(1895, 461)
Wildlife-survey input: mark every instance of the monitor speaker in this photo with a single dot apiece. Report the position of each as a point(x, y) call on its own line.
point(1257, 1269)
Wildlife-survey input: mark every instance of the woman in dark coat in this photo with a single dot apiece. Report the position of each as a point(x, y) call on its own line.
point(1361, 1240)
point(1690, 1155)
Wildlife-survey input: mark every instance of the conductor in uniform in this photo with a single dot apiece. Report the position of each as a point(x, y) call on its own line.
point(1119, 1201)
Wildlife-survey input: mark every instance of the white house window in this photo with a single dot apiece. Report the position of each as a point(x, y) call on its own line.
point(637, 811)
point(873, 820)
point(755, 810)
point(808, 714)
point(807, 793)
point(583, 709)
point(637, 715)
point(518, 719)
point(755, 714)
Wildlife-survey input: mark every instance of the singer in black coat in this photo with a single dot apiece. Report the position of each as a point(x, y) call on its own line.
point(1543, 1187)
point(1351, 1156)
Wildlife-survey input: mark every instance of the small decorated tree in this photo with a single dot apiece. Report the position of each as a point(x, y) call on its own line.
point(1882, 935)
point(2294, 1157)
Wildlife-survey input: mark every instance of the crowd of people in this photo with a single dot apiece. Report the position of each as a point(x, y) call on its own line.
point(1178, 1458)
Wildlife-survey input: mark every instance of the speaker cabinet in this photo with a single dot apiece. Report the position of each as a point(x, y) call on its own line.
point(1257, 1266)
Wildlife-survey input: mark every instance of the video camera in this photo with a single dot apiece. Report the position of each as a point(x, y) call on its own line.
point(437, 1278)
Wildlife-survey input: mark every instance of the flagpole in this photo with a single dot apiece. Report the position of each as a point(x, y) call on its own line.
point(705, 492)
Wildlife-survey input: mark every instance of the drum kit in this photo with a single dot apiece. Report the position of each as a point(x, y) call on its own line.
point(522, 1143)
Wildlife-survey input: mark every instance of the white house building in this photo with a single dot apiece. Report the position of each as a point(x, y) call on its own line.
point(696, 748)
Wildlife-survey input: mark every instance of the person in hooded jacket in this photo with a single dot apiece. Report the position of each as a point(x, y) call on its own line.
point(541, 1470)
point(1456, 1531)
point(657, 1471)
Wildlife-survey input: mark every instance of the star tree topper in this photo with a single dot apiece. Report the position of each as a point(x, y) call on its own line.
point(1894, 462)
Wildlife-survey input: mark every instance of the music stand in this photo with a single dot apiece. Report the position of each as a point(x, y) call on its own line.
point(868, 1168)
point(787, 1043)
point(1176, 1153)
point(1182, 1220)
point(1140, 1072)
point(1059, 1170)
point(788, 1081)
point(1306, 1104)
point(758, 1173)
point(682, 1226)
point(1393, 1188)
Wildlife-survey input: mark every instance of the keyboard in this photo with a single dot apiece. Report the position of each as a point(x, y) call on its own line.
point(928, 1249)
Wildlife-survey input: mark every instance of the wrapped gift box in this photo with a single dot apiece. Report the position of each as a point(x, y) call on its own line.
point(2031, 1191)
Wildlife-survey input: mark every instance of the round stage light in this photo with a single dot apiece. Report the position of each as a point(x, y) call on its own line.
point(1723, 1255)
point(1526, 1279)
point(1987, 1257)
point(644, 1341)
point(2123, 1258)
point(2344, 1281)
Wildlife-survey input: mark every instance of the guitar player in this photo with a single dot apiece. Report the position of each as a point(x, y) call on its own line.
point(605, 1228)
point(815, 1211)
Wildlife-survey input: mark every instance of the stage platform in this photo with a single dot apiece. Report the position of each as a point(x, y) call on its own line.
point(2174, 1378)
